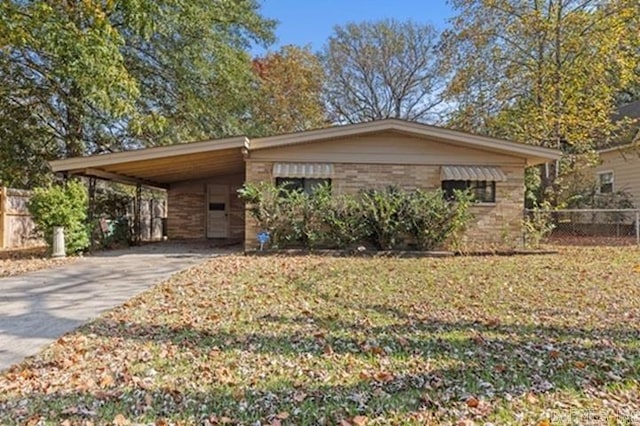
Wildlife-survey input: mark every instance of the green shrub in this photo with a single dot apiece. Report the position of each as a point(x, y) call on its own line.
point(383, 218)
point(62, 205)
point(383, 212)
point(343, 223)
point(432, 219)
point(538, 225)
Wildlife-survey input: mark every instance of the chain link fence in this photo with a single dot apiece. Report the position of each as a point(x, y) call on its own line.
point(588, 226)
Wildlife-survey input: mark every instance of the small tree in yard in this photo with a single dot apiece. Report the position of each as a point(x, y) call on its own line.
point(62, 205)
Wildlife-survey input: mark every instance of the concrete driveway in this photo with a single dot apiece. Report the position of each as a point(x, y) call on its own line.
point(38, 307)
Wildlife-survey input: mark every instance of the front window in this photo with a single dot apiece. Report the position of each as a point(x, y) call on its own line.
point(306, 185)
point(605, 182)
point(484, 191)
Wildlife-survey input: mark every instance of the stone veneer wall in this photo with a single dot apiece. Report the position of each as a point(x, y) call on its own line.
point(186, 218)
point(494, 225)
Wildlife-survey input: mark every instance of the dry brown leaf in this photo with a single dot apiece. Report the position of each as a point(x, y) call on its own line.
point(106, 380)
point(360, 420)
point(383, 376)
point(579, 364)
point(282, 415)
point(120, 420)
point(472, 402)
point(299, 396)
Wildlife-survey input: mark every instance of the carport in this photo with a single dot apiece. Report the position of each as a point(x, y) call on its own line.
point(201, 180)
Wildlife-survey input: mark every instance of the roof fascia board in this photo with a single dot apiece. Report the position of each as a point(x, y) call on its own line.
point(417, 129)
point(148, 154)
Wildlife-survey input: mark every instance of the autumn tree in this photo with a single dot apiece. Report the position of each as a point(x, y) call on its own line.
point(81, 77)
point(384, 69)
point(544, 72)
point(288, 95)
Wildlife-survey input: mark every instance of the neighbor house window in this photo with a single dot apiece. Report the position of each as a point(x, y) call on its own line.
point(605, 182)
point(483, 191)
point(306, 185)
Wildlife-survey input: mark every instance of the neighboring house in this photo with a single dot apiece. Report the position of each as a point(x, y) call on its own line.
point(202, 178)
point(619, 168)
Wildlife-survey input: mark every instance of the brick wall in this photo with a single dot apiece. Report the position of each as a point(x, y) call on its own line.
point(186, 218)
point(494, 225)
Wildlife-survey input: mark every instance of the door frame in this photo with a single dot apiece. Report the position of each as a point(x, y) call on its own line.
point(223, 190)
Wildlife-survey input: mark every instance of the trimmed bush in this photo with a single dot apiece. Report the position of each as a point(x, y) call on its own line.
point(384, 213)
point(62, 205)
point(432, 219)
point(386, 219)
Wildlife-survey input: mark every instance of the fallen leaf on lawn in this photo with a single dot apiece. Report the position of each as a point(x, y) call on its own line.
point(299, 396)
point(106, 380)
point(554, 354)
point(70, 410)
point(364, 375)
point(359, 420)
point(120, 420)
point(579, 364)
point(282, 415)
point(500, 368)
point(383, 376)
point(328, 350)
point(544, 422)
point(472, 402)
point(162, 422)
point(532, 399)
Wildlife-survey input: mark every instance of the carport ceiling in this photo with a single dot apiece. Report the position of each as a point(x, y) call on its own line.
point(161, 166)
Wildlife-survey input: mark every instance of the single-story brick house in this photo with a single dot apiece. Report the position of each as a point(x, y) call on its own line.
point(202, 178)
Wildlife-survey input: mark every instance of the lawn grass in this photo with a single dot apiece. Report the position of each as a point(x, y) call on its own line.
point(537, 340)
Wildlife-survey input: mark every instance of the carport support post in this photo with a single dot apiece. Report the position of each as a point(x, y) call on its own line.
point(91, 211)
point(137, 225)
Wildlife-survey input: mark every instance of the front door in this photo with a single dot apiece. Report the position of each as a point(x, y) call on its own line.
point(218, 211)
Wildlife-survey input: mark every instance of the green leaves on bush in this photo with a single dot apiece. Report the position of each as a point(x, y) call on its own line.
point(62, 205)
point(385, 219)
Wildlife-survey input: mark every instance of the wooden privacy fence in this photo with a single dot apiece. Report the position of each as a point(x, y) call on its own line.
point(17, 229)
point(16, 226)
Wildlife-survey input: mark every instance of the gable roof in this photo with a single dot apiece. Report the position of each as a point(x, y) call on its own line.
point(162, 166)
point(533, 154)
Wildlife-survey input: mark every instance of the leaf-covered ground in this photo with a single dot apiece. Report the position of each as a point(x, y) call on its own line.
point(20, 261)
point(536, 340)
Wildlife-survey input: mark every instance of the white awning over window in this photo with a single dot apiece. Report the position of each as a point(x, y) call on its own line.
point(303, 170)
point(473, 173)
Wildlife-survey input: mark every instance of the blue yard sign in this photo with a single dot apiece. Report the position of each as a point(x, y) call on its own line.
point(263, 238)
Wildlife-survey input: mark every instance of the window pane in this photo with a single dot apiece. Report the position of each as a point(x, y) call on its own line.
point(483, 191)
point(310, 185)
point(307, 185)
point(606, 182)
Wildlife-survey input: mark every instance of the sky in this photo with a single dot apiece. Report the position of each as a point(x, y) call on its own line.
point(311, 22)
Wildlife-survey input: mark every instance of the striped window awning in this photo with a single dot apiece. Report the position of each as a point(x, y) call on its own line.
point(303, 170)
point(473, 173)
